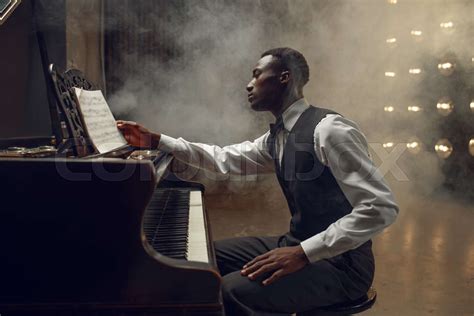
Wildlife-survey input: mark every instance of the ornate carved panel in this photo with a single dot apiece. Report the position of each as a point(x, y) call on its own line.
point(74, 134)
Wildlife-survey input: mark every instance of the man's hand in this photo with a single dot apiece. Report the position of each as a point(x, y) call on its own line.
point(137, 135)
point(280, 261)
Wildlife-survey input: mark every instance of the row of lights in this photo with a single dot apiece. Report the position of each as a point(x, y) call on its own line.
point(417, 35)
point(443, 147)
point(445, 68)
point(444, 106)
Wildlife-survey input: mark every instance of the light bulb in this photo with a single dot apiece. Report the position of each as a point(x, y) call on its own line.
point(391, 42)
point(471, 146)
point(414, 108)
point(390, 74)
point(446, 68)
point(388, 144)
point(443, 148)
point(445, 106)
point(389, 108)
point(447, 27)
point(414, 71)
point(417, 35)
point(414, 145)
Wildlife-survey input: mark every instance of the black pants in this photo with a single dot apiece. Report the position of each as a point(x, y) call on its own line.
point(341, 278)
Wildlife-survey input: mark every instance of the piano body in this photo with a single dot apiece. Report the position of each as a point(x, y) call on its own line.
point(89, 234)
point(75, 237)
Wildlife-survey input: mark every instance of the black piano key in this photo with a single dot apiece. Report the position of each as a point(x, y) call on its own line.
point(166, 222)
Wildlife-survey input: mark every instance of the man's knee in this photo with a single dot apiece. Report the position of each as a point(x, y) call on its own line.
point(245, 297)
point(237, 288)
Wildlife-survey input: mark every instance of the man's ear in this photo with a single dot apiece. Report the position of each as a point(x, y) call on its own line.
point(285, 76)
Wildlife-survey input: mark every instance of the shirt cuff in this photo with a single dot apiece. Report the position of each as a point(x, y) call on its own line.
point(167, 144)
point(315, 248)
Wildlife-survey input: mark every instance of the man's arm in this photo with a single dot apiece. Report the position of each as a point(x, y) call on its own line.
point(340, 145)
point(244, 158)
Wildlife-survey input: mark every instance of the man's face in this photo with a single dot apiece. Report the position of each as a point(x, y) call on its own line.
point(265, 89)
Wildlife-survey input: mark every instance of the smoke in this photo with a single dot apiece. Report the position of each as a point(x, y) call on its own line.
point(199, 92)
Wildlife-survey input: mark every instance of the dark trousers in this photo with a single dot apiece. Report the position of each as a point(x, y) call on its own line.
point(325, 282)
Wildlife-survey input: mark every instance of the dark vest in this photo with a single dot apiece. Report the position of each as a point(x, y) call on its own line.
point(313, 195)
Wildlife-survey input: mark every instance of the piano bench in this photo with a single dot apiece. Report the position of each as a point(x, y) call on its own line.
point(346, 308)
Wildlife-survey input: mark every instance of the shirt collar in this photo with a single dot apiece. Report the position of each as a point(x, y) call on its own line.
point(293, 113)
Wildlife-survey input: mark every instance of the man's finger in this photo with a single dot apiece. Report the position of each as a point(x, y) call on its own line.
point(264, 269)
point(258, 258)
point(274, 277)
point(125, 123)
point(255, 266)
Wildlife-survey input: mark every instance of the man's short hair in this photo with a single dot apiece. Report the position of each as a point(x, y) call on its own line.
point(293, 61)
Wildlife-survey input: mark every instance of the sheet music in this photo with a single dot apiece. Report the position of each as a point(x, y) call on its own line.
point(99, 121)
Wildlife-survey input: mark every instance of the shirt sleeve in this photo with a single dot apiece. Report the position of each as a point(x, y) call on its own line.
point(244, 158)
point(340, 145)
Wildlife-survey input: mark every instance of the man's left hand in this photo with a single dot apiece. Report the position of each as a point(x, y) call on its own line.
point(281, 261)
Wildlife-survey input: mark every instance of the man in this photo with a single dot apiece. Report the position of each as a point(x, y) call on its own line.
point(337, 198)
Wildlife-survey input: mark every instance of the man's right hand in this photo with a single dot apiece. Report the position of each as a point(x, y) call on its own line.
point(138, 136)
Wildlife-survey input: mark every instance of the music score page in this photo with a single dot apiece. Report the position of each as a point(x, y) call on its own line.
point(99, 120)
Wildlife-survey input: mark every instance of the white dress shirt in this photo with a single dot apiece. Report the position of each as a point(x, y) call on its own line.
point(340, 145)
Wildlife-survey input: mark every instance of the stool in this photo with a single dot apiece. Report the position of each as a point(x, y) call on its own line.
point(346, 308)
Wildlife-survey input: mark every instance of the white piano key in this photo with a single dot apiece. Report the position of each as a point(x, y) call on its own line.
point(195, 198)
point(197, 237)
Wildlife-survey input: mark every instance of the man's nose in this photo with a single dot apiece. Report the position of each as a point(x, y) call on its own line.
point(249, 87)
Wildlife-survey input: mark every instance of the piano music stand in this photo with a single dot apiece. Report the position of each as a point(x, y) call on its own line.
point(73, 138)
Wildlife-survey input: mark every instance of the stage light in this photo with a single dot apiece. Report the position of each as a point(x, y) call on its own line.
point(417, 35)
point(443, 148)
point(391, 42)
point(447, 27)
point(471, 146)
point(390, 74)
point(414, 108)
point(388, 144)
point(446, 68)
point(445, 106)
point(414, 145)
point(389, 108)
point(414, 71)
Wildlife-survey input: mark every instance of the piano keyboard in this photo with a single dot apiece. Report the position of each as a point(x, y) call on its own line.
point(174, 224)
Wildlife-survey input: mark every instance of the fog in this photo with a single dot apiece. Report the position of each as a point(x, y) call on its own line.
point(199, 94)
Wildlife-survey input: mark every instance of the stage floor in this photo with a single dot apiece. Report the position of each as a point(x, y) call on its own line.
point(424, 262)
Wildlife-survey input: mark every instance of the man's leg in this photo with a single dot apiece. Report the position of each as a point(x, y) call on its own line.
point(325, 282)
point(233, 253)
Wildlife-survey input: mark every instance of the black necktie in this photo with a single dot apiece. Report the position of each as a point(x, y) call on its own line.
point(276, 127)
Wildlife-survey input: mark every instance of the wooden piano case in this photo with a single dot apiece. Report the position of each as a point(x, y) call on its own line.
point(71, 230)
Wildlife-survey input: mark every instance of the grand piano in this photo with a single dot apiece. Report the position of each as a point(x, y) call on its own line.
point(83, 233)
